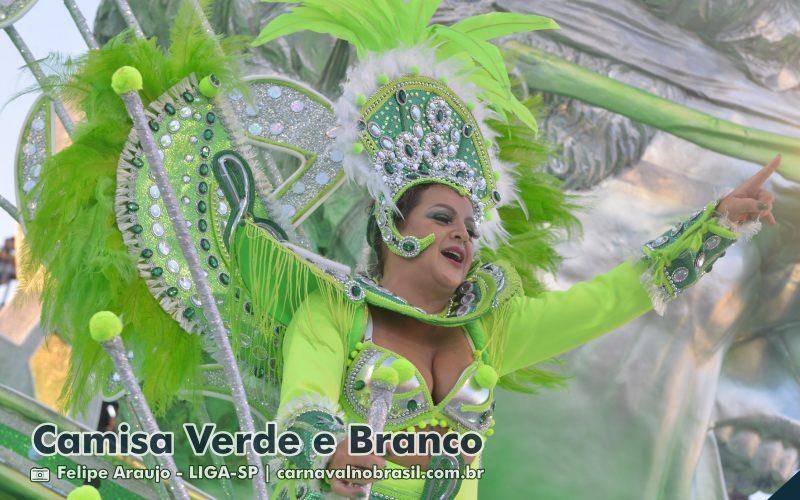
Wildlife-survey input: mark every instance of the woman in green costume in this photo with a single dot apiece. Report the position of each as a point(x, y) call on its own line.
point(449, 325)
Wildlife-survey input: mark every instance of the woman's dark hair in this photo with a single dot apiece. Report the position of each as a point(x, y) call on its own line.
point(407, 202)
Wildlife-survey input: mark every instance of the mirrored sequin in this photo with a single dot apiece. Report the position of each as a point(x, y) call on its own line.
point(700, 260)
point(28, 186)
point(297, 106)
point(416, 113)
point(158, 229)
point(174, 126)
point(299, 187)
point(374, 129)
point(255, 129)
point(163, 248)
point(274, 91)
point(276, 128)
point(185, 112)
point(165, 141)
point(680, 274)
point(222, 209)
point(154, 192)
point(173, 266)
point(322, 178)
point(185, 283)
point(712, 242)
point(155, 210)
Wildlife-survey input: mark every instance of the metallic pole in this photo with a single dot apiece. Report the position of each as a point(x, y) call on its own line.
point(80, 22)
point(41, 79)
point(135, 108)
point(127, 14)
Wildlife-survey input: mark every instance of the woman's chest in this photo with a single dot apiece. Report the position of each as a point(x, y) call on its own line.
point(446, 387)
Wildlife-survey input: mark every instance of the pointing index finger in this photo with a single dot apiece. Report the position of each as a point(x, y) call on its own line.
point(756, 181)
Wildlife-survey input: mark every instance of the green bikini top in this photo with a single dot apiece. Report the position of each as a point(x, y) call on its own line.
point(467, 406)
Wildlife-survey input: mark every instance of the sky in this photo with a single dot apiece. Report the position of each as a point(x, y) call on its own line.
point(46, 28)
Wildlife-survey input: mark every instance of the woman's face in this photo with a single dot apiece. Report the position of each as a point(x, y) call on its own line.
point(449, 216)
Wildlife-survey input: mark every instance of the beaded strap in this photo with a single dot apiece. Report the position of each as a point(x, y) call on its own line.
point(682, 255)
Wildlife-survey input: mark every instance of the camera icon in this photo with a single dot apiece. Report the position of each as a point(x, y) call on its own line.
point(40, 474)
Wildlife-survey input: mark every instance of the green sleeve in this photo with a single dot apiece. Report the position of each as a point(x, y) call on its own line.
point(313, 367)
point(538, 328)
point(313, 354)
point(535, 329)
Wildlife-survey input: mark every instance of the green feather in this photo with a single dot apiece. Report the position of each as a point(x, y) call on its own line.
point(497, 24)
point(74, 232)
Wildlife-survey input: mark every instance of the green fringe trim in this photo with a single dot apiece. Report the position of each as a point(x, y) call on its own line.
point(276, 282)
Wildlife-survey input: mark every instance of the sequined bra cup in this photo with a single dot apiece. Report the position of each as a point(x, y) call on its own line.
point(467, 407)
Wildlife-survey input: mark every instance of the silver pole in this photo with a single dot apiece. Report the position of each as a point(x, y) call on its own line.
point(80, 22)
point(127, 14)
point(116, 350)
point(135, 108)
point(10, 208)
point(38, 74)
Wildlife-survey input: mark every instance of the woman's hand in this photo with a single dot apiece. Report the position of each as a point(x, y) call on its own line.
point(341, 459)
point(749, 201)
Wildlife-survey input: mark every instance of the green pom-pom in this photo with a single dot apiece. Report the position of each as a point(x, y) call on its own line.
point(104, 326)
point(358, 148)
point(444, 80)
point(210, 86)
point(486, 377)
point(383, 79)
point(497, 175)
point(414, 70)
point(488, 143)
point(471, 106)
point(361, 99)
point(126, 79)
point(385, 374)
point(488, 216)
point(85, 492)
point(404, 369)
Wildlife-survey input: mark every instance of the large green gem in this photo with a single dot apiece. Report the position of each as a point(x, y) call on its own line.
point(224, 279)
point(146, 253)
point(156, 272)
point(188, 313)
point(388, 167)
point(201, 206)
point(439, 116)
point(409, 150)
point(412, 405)
point(202, 187)
point(408, 246)
point(203, 169)
point(213, 262)
point(211, 117)
point(202, 225)
point(136, 229)
point(188, 97)
point(208, 134)
point(132, 206)
point(172, 291)
point(137, 162)
point(205, 244)
point(170, 109)
point(153, 125)
point(358, 385)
